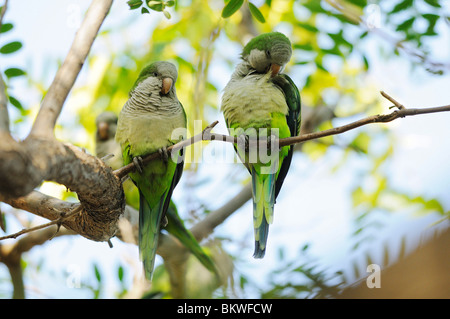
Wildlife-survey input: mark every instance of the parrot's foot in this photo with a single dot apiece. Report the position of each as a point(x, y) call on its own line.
point(164, 154)
point(243, 142)
point(164, 221)
point(137, 161)
point(271, 144)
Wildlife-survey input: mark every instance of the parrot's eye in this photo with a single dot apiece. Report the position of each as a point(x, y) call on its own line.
point(155, 74)
point(268, 54)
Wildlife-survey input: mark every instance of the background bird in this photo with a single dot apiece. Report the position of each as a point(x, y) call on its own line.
point(257, 102)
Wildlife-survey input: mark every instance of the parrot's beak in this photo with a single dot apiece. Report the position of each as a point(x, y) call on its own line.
point(275, 69)
point(103, 128)
point(166, 85)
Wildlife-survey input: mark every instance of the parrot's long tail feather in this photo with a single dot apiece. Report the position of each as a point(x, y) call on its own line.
point(176, 228)
point(149, 225)
point(263, 202)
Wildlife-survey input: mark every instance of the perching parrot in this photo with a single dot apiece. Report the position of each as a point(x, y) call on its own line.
point(257, 102)
point(105, 146)
point(148, 123)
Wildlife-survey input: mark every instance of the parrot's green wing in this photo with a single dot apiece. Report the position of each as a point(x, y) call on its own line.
point(293, 118)
point(175, 227)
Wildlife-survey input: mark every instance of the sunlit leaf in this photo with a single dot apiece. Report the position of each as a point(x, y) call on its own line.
point(256, 13)
point(231, 7)
point(156, 5)
point(134, 4)
point(166, 14)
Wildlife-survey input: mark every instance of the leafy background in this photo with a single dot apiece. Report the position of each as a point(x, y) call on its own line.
point(371, 195)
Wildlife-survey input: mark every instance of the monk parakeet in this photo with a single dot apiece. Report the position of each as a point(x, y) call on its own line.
point(258, 102)
point(146, 125)
point(105, 146)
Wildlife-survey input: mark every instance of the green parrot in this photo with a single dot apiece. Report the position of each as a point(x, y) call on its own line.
point(258, 102)
point(146, 124)
point(105, 146)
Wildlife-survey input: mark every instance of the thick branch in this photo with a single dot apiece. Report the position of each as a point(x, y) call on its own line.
point(24, 165)
point(65, 77)
point(99, 191)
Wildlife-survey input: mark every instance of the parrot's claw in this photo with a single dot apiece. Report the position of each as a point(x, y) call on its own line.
point(137, 161)
point(243, 142)
point(164, 154)
point(164, 221)
point(271, 143)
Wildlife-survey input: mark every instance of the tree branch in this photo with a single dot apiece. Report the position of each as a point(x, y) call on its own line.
point(206, 226)
point(24, 165)
point(207, 136)
point(65, 77)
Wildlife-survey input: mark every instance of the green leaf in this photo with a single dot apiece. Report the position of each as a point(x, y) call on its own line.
point(98, 276)
point(6, 27)
point(120, 273)
point(11, 47)
point(13, 72)
point(359, 3)
point(432, 19)
point(155, 5)
point(402, 6)
point(170, 3)
point(306, 47)
point(144, 10)
point(314, 6)
point(16, 103)
point(366, 62)
point(308, 27)
point(134, 4)
point(231, 7)
point(405, 25)
point(166, 14)
point(433, 3)
point(256, 13)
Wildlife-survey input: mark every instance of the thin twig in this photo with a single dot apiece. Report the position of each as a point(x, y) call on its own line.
point(207, 136)
point(53, 222)
point(390, 98)
point(204, 135)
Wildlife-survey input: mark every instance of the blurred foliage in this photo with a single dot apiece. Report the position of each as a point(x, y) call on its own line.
point(331, 58)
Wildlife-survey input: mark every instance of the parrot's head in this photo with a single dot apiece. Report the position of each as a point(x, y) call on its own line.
point(165, 73)
point(106, 126)
point(268, 52)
